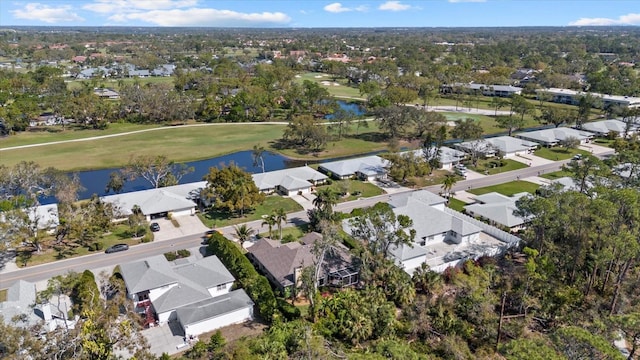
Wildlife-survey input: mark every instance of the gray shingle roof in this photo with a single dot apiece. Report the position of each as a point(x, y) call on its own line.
point(552, 136)
point(605, 126)
point(508, 144)
point(428, 221)
point(497, 207)
point(213, 307)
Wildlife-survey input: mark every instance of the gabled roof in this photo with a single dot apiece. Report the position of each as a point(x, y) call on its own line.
point(368, 165)
point(213, 307)
point(152, 273)
point(159, 200)
point(21, 295)
point(480, 145)
point(449, 155)
point(429, 221)
point(45, 215)
point(426, 197)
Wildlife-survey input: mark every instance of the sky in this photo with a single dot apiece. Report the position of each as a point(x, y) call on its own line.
point(317, 13)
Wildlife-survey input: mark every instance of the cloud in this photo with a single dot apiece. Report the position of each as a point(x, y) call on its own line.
point(628, 19)
point(467, 1)
point(338, 8)
point(45, 13)
point(203, 17)
point(116, 6)
point(394, 6)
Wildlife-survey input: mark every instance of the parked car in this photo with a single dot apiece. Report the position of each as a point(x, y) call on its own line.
point(460, 171)
point(577, 157)
point(210, 233)
point(117, 248)
point(155, 227)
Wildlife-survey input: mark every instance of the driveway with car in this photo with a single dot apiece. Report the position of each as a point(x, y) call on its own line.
point(189, 225)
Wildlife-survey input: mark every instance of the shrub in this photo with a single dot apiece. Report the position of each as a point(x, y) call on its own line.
point(170, 256)
point(288, 238)
point(256, 285)
point(289, 311)
point(183, 253)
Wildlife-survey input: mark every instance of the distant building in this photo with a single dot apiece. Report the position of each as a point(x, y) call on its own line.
point(572, 97)
point(486, 90)
point(553, 137)
point(364, 168)
point(289, 181)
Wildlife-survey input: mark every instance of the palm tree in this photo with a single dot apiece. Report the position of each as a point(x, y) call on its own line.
point(325, 200)
point(281, 217)
point(243, 232)
point(270, 221)
point(448, 183)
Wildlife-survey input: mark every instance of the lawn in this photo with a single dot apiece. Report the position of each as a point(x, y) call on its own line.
point(604, 142)
point(341, 90)
point(3, 295)
point(507, 189)
point(55, 133)
point(295, 231)
point(214, 219)
point(558, 153)
point(119, 235)
point(496, 166)
point(456, 204)
point(556, 175)
point(181, 143)
point(353, 187)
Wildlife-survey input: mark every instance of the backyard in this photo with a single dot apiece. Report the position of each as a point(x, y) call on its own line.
point(507, 189)
point(213, 218)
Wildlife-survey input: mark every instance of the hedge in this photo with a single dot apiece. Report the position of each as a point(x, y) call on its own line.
point(256, 285)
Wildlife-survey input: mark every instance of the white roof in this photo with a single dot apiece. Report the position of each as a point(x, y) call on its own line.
point(498, 208)
point(153, 201)
point(46, 216)
point(290, 179)
point(626, 100)
point(479, 145)
point(508, 144)
point(552, 136)
point(368, 165)
point(447, 154)
point(605, 126)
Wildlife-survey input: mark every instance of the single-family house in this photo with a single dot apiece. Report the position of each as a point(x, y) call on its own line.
point(289, 181)
point(164, 70)
point(604, 127)
point(479, 147)
point(21, 305)
point(498, 209)
point(283, 263)
point(553, 137)
point(448, 157)
point(106, 93)
point(508, 146)
point(154, 203)
point(44, 217)
point(195, 293)
point(364, 168)
point(443, 237)
point(484, 89)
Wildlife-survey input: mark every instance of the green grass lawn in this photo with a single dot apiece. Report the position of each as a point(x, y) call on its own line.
point(119, 235)
point(558, 153)
point(456, 204)
point(295, 231)
point(214, 219)
point(604, 142)
point(507, 189)
point(326, 81)
point(556, 175)
point(362, 188)
point(496, 166)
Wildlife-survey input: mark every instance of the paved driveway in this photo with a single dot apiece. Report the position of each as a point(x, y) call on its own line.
point(531, 160)
point(596, 149)
point(189, 225)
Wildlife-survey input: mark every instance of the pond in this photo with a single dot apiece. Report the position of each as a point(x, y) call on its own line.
point(95, 181)
point(354, 108)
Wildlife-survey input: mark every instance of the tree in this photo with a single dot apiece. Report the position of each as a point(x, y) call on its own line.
point(585, 104)
point(116, 182)
point(158, 170)
point(521, 106)
point(448, 184)
point(467, 129)
point(341, 121)
point(258, 156)
point(232, 189)
point(510, 123)
point(244, 233)
point(407, 165)
point(571, 142)
point(555, 116)
point(498, 103)
point(270, 221)
point(380, 229)
point(281, 218)
point(306, 133)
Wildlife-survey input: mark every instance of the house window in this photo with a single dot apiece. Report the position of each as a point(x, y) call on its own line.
point(221, 287)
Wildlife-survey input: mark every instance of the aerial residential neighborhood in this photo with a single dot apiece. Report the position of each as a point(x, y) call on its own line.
point(308, 180)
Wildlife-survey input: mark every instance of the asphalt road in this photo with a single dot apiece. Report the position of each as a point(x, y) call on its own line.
point(139, 252)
